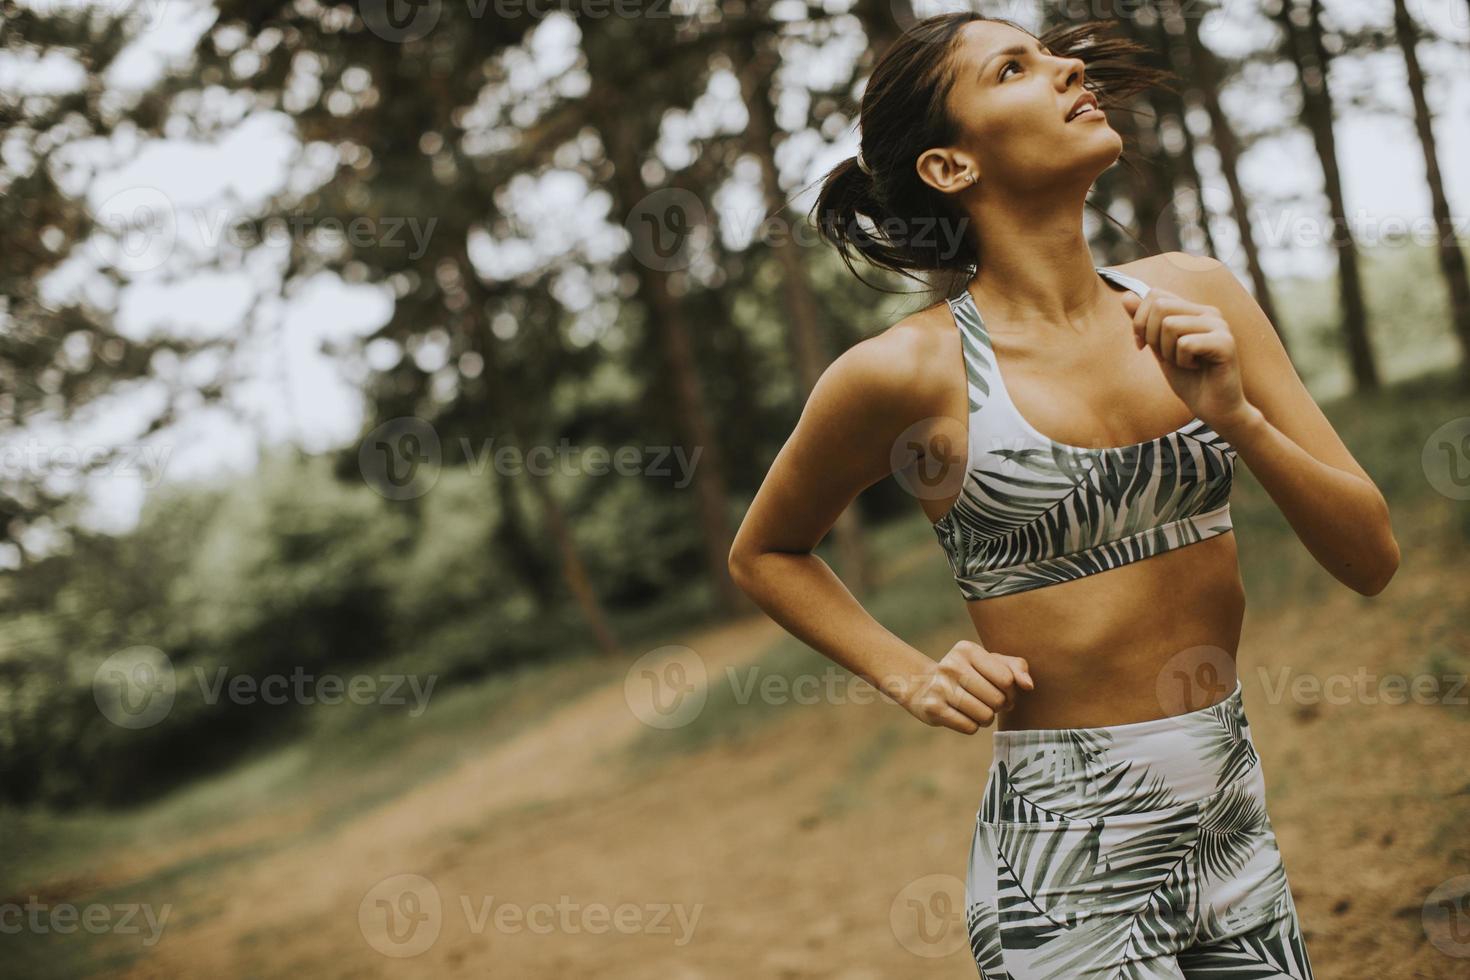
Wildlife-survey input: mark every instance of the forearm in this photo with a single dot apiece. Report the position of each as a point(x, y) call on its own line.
point(1340, 517)
point(801, 593)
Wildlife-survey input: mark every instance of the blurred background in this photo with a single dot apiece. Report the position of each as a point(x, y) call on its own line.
point(381, 384)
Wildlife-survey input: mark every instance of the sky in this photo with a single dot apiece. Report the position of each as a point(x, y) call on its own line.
point(303, 356)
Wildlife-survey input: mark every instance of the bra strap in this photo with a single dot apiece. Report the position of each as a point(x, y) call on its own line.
point(1124, 279)
point(975, 347)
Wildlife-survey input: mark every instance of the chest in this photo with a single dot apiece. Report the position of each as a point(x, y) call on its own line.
point(1092, 388)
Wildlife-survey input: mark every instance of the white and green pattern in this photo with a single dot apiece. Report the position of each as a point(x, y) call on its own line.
point(1131, 851)
point(1033, 512)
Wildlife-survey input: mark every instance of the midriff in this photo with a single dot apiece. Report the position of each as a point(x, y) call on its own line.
point(1110, 648)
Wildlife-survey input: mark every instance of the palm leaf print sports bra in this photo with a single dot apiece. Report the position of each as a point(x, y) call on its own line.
point(1034, 512)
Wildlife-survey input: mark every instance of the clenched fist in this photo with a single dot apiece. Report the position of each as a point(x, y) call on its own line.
point(967, 687)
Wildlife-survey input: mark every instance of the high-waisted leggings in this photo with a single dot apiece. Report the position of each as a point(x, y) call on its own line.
point(1131, 851)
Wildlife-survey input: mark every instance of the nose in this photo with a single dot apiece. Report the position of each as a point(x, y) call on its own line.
point(1074, 70)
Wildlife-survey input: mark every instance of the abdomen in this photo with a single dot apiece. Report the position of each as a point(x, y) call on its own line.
point(1148, 639)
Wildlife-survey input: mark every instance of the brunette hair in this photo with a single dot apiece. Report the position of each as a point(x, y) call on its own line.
point(903, 113)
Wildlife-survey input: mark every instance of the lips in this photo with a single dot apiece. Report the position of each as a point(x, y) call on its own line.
point(1085, 99)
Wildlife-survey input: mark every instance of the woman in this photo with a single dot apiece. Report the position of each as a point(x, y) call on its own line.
point(1123, 830)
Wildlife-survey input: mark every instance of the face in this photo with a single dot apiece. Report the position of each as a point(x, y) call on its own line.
point(1011, 99)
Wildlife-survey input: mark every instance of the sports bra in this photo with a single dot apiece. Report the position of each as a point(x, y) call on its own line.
point(1034, 512)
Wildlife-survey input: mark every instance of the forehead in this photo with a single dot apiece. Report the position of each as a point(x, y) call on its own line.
point(979, 39)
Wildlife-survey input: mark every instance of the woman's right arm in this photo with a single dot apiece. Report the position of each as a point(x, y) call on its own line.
point(865, 400)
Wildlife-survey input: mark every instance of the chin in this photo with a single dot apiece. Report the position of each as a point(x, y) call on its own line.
point(1108, 150)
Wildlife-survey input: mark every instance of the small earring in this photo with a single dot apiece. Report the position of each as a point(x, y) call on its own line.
point(970, 178)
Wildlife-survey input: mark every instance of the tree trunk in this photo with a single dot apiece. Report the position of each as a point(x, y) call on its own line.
point(1206, 70)
point(1177, 104)
point(672, 330)
point(802, 312)
point(1149, 182)
point(1151, 171)
point(1451, 259)
point(1310, 58)
point(500, 386)
point(521, 553)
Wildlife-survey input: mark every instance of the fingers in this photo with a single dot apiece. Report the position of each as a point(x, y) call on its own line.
point(966, 688)
point(1005, 673)
point(972, 685)
point(982, 679)
point(1173, 328)
point(1162, 323)
point(1205, 346)
point(1149, 316)
point(947, 717)
point(1023, 672)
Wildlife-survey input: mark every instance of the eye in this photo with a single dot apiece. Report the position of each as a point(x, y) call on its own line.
point(1002, 76)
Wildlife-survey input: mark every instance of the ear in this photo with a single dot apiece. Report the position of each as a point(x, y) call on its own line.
point(944, 170)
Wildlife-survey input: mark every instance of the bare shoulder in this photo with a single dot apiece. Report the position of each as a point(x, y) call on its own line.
point(859, 409)
point(1210, 282)
point(1199, 278)
point(894, 371)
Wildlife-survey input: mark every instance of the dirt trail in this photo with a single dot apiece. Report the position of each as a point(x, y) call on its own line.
point(565, 755)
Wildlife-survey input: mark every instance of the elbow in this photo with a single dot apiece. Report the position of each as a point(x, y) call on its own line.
point(1382, 567)
point(739, 563)
point(1383, 572)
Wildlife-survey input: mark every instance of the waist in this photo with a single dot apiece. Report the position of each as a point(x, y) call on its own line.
point(1051, 774)
point(1112, 648)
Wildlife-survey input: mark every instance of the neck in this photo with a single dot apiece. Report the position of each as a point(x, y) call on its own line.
point(1035, 265)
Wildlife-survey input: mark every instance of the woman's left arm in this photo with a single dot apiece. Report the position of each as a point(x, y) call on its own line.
point(1225, 359)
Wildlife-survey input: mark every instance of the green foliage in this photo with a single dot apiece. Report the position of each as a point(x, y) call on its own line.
point(287, 571)
point(1408, 315)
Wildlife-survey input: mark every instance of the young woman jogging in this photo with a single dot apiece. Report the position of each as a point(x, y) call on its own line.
point(1088, 420)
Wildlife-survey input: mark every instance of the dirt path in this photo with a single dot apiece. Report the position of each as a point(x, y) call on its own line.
point(322, 881)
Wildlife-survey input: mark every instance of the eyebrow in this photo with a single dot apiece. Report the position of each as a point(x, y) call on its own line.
point(1013, 49)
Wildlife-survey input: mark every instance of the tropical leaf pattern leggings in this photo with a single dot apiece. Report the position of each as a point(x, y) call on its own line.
point(1131, 851)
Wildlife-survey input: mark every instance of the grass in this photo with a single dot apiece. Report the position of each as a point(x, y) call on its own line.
point(353, 757)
